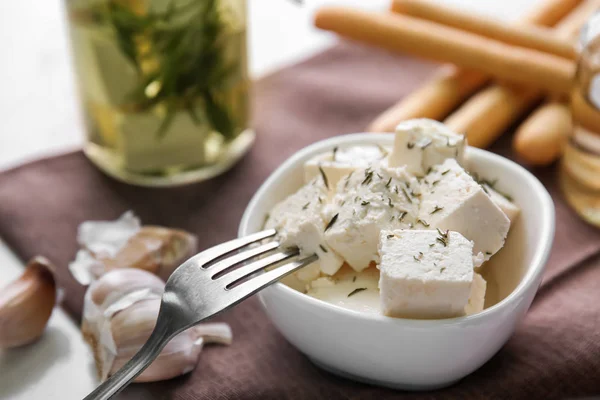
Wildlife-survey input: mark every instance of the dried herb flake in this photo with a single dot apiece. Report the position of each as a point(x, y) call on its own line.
point(324, 177)
point(436, 209)
point(330, 224)
point(357, 290)
point(407, 195)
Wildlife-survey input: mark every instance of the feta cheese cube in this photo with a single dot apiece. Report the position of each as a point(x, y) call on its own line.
point(422, 143)
point(478, 260)
point(184, 145)
point(349, 289)
point(424, 274)
point(509, 208)
point(366, 202)
point(309, 273)
point(453, 200)
point(299, 223)
point(339, 163)
point(477, 296)
point(321, 283)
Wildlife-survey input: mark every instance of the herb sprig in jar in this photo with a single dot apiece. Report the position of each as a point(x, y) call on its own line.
point(179, 54)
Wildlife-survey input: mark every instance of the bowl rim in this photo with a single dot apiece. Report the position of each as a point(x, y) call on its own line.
point(538, 262)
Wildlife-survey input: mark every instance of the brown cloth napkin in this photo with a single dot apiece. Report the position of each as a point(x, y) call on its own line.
point(555, 352)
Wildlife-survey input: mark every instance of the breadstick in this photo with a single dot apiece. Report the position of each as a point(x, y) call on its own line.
point(524, 35)
point(486, 116)
point(452, 85)
point(426, 39)
point(550, 12)
point(540, 139)
point(434, 100)
point(546, 134)
point(483, 118)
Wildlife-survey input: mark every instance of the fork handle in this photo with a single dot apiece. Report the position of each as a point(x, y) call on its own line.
point(159, 337)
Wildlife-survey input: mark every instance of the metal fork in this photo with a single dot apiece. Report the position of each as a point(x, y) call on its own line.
point(202, 287)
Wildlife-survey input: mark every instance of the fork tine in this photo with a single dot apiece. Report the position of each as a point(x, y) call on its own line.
point(229, 262)
point(242, 272)
point(222, 249)
point(255, 284)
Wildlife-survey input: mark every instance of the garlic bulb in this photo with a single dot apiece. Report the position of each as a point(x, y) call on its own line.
point(124, 243)
point(27, 303)
point(120, 311)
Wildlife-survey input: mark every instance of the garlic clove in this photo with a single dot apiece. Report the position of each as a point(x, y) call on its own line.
point(124, 243)
point(133, 325)
point(214, 332)
point(120, 311)
point(179, 356)
point(178, 246)
point(116, 284)
point(154, 249)
point(27, 303)
point(113, 292)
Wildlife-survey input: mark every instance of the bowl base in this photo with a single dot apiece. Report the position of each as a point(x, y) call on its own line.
point(387, 384)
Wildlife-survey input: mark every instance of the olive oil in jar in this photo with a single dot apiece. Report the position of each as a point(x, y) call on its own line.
point(164, 86)
point(580, 166)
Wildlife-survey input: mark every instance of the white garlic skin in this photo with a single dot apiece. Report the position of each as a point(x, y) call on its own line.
point(26, 304)
point(120, 312)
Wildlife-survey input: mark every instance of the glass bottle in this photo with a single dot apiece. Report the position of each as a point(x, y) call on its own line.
point(164, 86)
point(580, 165)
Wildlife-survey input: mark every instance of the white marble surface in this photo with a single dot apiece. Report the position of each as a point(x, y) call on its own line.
point(39, 116)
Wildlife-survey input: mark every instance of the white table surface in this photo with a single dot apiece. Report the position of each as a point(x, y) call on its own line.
point(39, 117)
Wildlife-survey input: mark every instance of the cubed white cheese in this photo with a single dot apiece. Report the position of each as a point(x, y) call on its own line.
point(477, 296)
point(366, 202)
point(509, 208)
point(349, 289)
point(422, 143)
point(299, 223)
point(478, 259)
point(309, 273)
point(321, 283)
point(453, 200)
point(339, 163)
point(424, 274)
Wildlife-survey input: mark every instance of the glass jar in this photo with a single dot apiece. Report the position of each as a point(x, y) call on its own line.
point(580, 165)
point(164, 86)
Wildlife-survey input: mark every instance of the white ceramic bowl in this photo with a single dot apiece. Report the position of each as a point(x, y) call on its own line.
point(404, 353)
